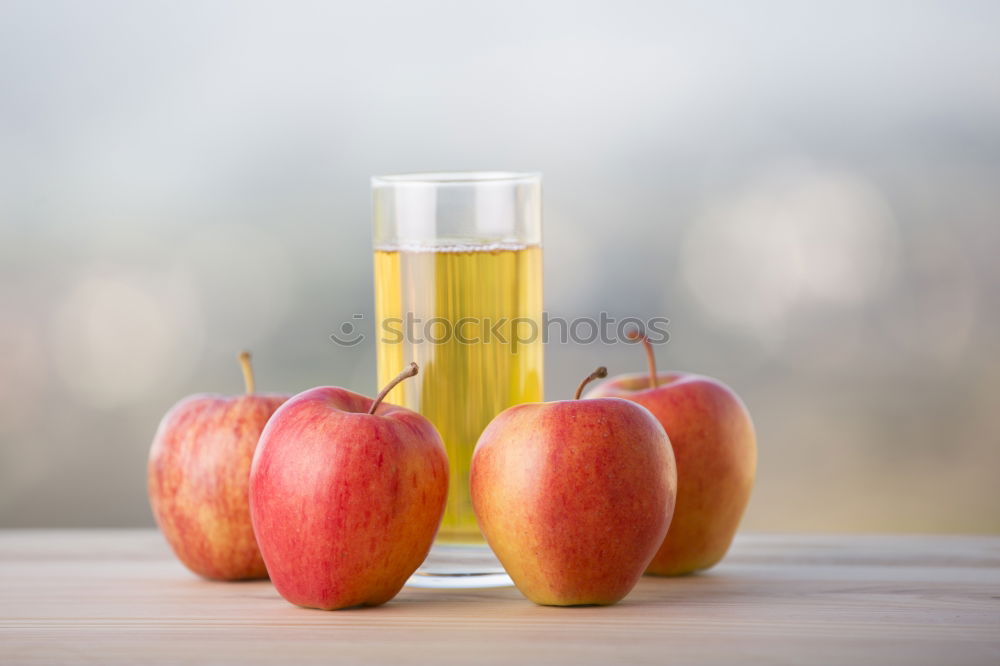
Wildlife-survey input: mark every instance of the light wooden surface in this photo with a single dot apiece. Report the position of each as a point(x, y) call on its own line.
point(109, 597)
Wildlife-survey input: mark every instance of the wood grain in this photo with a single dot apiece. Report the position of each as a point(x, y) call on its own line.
point(110, 597)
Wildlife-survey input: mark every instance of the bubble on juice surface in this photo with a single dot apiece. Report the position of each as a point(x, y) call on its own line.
point(497, 246)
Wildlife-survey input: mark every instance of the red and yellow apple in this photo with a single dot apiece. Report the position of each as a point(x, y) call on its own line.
point(198, 476)
point(716, 452)
point(575, 496)
point(346, 495)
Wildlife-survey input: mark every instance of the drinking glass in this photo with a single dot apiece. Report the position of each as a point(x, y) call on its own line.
point(458, 290)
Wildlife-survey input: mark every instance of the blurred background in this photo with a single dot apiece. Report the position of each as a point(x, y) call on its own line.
point(809, 191)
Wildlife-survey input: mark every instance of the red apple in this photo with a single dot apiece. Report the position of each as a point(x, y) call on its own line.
point(716, 451)
point(198, 476)
point(574, 496)
point(346, 495)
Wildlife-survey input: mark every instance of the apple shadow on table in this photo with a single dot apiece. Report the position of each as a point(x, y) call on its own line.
point(698, 588)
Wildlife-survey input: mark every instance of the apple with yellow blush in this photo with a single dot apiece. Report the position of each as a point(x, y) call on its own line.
point(198, 476)
point(574, 496)
point(716, 453)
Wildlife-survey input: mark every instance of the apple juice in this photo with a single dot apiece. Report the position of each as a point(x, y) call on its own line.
point(471, 317)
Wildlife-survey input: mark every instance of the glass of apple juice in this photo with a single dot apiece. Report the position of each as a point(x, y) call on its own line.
point(458, 290)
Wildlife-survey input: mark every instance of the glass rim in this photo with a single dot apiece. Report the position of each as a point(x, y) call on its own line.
point(455, 177)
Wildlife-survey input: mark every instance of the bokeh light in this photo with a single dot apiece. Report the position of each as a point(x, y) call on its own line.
point(796, 235)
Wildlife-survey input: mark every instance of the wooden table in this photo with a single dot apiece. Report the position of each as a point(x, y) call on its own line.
point(109, 597)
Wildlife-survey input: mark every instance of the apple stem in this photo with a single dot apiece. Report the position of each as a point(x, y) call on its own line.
point(247, 371)
point(635, 334)
point(410, 370)
point(600, 373)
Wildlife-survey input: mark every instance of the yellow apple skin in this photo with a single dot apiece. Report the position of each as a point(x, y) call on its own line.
point(716, 453)
point(574, 497)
